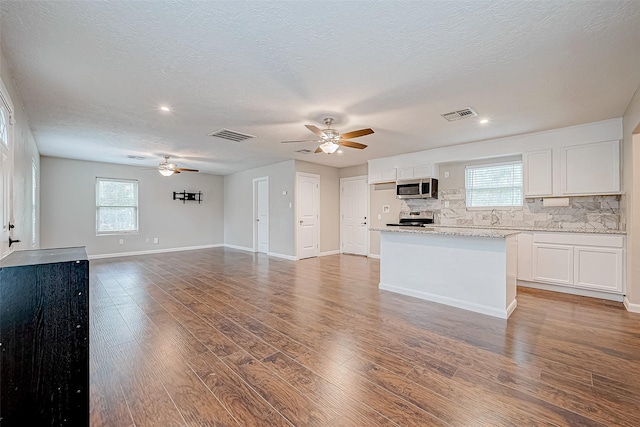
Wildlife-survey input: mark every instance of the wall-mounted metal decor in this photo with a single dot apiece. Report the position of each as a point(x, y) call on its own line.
point(184, 196)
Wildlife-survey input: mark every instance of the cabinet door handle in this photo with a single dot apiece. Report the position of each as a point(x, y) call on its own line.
point(11, 241)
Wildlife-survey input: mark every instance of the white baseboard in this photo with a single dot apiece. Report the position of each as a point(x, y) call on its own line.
point(478, 308)
point(277, 255)
point(570, 290)
point(337, 252)
point(154, 251)
point(634, 308)
point(376, 256)
point(240, 248)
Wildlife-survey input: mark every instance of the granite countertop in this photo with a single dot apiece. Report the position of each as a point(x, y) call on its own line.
point(488, 231)
point(450, 231)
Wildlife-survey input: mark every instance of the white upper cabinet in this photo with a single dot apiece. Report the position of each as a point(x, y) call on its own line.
point(406, 173)
point(572, 170)
point(537, 169)
point(392, 169)
point(590, 168)
point(389, 174)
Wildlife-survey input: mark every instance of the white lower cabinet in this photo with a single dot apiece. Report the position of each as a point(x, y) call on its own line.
point(553, 263)
point(591, 262)
point(598, 268)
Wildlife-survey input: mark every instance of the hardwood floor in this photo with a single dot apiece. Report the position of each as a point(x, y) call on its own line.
point(221, 337)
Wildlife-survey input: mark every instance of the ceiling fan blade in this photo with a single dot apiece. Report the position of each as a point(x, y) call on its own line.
point(185, 170)
point(302, 140)
point(315, 130)
point(351, 144)
point(357, 133)
point(318, 150)
point(176, 171)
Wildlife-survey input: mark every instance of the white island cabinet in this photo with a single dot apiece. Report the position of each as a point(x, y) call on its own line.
point(472, 269)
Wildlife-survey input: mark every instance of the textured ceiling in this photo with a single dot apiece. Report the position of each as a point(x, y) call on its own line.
point(93, 74)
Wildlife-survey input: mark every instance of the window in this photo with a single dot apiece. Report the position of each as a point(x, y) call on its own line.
point(4, 137)
point(116, 206)
point(495, 185)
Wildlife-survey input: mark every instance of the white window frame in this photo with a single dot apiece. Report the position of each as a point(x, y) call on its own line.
point(116, 232)
point(500, 207)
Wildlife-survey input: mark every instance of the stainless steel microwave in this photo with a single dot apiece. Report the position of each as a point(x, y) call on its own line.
point(426, 188)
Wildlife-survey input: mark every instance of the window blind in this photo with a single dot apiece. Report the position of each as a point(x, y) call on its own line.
point(494, 185)
point(116, 206)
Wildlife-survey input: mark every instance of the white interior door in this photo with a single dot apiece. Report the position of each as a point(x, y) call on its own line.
point(308, 213)
point(6, 168)
point(354, 205)
point(261, 214)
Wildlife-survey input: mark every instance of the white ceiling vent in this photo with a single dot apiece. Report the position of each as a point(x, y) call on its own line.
point(303, 151)
point(460, 114)
point(231, 135)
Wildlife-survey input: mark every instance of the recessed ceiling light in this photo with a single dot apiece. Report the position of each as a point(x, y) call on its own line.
point(484, 121)
point(339, 151)
point(165, 108)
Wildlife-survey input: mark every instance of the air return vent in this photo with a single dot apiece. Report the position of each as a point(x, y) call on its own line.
point(231, 135)
point(460, 114)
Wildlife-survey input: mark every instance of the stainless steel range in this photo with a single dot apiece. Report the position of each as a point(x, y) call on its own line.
point(414, 219)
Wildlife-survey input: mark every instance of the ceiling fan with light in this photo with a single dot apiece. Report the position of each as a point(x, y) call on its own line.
point(330, 139)
point(167, 169)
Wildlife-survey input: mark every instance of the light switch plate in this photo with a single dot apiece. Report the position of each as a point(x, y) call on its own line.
point(385, 209)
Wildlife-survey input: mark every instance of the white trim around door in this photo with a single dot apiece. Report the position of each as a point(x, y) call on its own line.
point(307, 215)
point(261, 214)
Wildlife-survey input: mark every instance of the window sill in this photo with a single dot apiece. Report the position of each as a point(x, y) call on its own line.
point(496, 208)
point(117, 233)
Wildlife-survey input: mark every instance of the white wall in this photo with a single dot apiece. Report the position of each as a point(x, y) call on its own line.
point(631, 186)
point(358, 170)
point(238, 208)
point(25, 153)
point(68, 208)
point(329, 203)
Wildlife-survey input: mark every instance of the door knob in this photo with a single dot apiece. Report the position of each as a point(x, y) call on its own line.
point(11, 226)
point(11, 241)
point(300, 222)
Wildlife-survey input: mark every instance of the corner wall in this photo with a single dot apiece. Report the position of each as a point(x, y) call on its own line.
point(238, 208)
point(69, 208)
point(631, 186)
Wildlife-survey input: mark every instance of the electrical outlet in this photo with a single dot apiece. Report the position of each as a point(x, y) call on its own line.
point(446, 174)
point(446, 203)
point(155, 240)
point(379, 216)
point(121, 241)
point(147, 240)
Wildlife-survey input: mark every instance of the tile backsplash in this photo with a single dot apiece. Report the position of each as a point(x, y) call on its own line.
point(583, 213)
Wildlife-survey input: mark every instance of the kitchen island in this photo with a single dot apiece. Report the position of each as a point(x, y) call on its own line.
point(473, 269)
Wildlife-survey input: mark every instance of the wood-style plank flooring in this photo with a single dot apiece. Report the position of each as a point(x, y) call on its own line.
point(220, 337)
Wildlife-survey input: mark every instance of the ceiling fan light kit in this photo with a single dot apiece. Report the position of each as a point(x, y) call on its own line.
point(329, 147)
point(330, 139)
point(167, 169)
